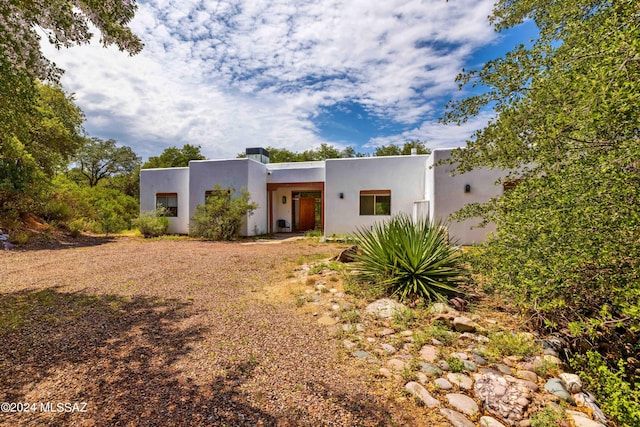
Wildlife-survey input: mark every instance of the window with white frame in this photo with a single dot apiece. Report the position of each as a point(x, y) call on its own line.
point(168, 201)
point(375, 202)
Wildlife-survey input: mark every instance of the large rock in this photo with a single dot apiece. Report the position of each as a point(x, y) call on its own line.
point(464, 324)
point(555, 386)
point(463, 403)
point(429, 353)
point(347, 255)
point(456, 418)
point(588, 401)
point(441, 308)
point(572, 382)
point(490, 422)
point(442, 384)
point(430, 369)
point(384, 308)
point(461, 380)
point(327, 321)
point(583, 420)
point(421, 393)
point(505, 397)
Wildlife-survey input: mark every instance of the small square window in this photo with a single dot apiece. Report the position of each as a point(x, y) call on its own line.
point(375, 202)
point(168, 201)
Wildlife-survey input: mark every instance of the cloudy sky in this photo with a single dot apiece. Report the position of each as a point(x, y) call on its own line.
point(293, 74)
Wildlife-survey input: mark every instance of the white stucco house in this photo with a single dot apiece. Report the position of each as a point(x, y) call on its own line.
point(336, 196)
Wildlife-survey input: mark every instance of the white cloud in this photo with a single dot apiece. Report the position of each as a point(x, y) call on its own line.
point(436, 135)
point(237, 73)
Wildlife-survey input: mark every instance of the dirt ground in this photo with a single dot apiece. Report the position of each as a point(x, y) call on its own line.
point(128, 332)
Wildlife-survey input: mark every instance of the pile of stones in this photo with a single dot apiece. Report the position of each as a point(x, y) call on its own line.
point(455, 378)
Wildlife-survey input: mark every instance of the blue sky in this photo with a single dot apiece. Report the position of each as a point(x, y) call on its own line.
point(232, 74)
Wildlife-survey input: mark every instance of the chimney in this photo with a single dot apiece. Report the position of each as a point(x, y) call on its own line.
point(258, 154)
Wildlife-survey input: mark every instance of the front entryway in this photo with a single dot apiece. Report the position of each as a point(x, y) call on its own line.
point(296, 207)
point(307, 214)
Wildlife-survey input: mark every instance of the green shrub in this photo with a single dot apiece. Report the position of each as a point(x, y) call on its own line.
point(512, 344)
point(440, 332)
point(101, 209)
point(410, 258)
point(404, 317)
point(221, 217)
point(548, 417)
point(616, 396)
point(455, 365)
point(56, 210)
point(153, 224)
point(76, 227)
point(19, 237)
point(107, 219)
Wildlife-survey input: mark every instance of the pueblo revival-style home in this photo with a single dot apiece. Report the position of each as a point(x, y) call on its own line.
point(335, 196)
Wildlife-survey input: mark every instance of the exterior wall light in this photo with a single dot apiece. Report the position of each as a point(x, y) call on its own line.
point(467, 188)
point(284, 200)
point(342, 195)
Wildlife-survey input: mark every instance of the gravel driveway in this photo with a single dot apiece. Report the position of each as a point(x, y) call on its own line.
point(172, 332)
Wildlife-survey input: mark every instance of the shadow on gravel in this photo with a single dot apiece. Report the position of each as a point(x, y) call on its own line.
point(118, 355)
point(64, 241)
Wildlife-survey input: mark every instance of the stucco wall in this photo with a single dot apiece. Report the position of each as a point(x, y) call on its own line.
point(296, 172)
point(235, 173)
point(167, 180)
point(256, 224)
point(403, 175)
point(447, 195)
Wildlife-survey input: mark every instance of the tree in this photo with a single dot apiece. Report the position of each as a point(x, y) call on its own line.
point(222, 215)
point(282, 155)
point(55, 128)
point(567, 248)
point(49, 136)
point(394, 150)
point(65, 23)
point(100, 159)
point(174, 157)
point(323, 152)
point(38, 125)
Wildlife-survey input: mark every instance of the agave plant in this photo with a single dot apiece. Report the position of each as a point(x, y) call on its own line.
point(410, 258)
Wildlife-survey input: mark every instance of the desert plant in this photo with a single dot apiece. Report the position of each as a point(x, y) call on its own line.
point(440, 332)
point(221, 217)
point(153, 223)
point(403, 317)
point(512, 344)
point(455, 365)
point(313, 233)
point(617, 394)
point(410, 258)
point(76, 227)
point(549, 417)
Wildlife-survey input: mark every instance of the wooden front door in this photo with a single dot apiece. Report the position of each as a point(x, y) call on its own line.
point(307, 214)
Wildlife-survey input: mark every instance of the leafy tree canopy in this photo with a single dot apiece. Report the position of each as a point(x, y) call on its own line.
point(100, 159)
point(405, 150)
point(55, 128)
point(49, 136)
point(39, 125)
point(328, 151)
point(65, 23)
point(567, 121)
point(174, 157)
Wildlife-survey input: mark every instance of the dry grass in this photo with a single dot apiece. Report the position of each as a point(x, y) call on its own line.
point(175, 332)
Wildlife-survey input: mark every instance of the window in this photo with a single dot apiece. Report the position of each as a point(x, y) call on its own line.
point(375, 202)
point(510, 184)
point(168, 201)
